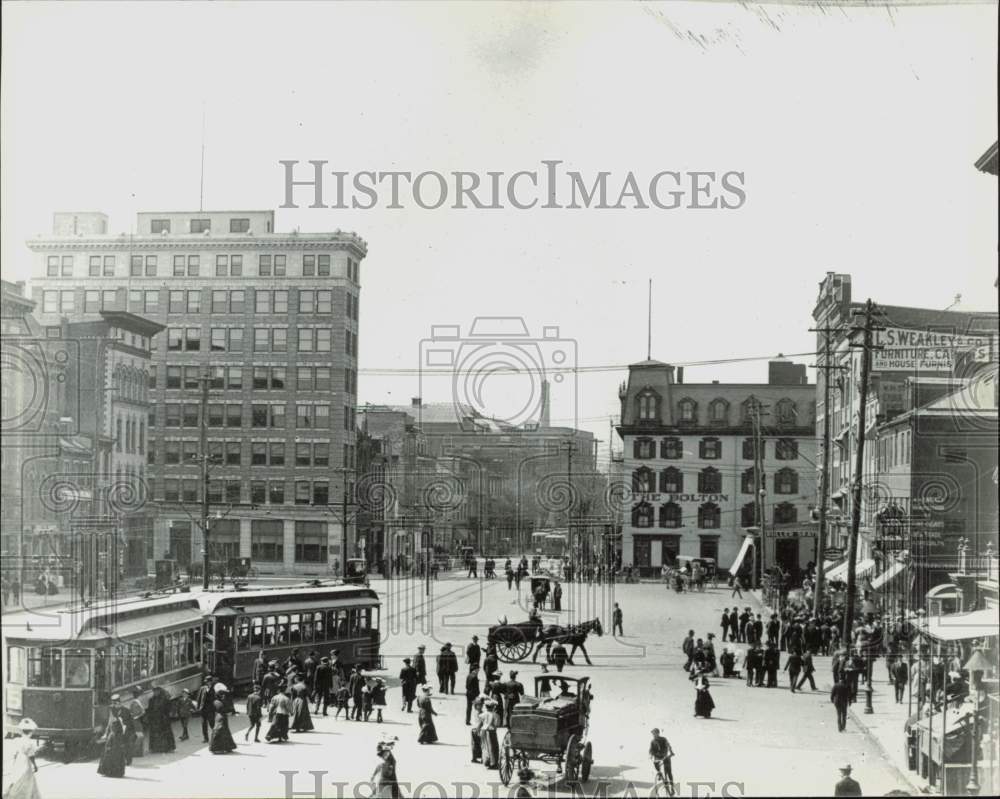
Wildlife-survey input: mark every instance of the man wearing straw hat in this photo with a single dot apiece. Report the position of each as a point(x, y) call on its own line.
point(847, 785)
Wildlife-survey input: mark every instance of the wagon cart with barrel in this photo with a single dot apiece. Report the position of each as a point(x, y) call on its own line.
point(552, 727)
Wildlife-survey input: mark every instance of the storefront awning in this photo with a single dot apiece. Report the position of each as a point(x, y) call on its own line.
point(883, 579)
point(747, 543)
point(860, 570)
point(963, 626)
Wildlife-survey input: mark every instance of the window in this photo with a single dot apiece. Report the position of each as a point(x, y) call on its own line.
point(50, 302)
point(94, 266)
point(671, 449)
point(216, 414)
point(192, 339)
point(201, 225)
point(303, 492)
point(234, 453)
point(258, 453)
point(709, 516)
point(748, 482)
point(135, 266)
point(687, 411)
point(671, 481)
point(643, 448)
point(221, 265)
point(44, 667)
point(709, 481)
point(642, 515)
point(110, 263)
point(91, 301)
point(151, 265)
point(52, 266)
point(236, 265)
point(277, 453)
point(308, 266)
point(262, 301)
point(323, 265)
point(267, 415)
point(194, 265)
point(258, 492)
point(750, 449)
point(269, 265)
point(176, 302)
point(234, 415)
point(173, 377)
point(786, 481)
point(158, 226)
point(718, 412)
point(239, 225)
point(151, 301)
point(310, 542)
point(324, 301)
point(179, 266)
point(276, 492)
point(785, 412)
point(194, 302)
point(670, 515)
point(748, 515)
point(237, 301)
point(785, 513)
point(233, 491)
point(786, 449)
point(267, 539)
point(307, 301)
point(642, 480)
point(190, 418)
point(710, 449)
point(304, 379)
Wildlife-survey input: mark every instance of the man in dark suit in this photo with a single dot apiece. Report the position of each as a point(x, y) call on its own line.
point(807, 671)
point(473, 653)
point(900, 678)
point(840, 696)
point(744, 619)
point(420, 665)
point(773, 628)
point(688, 649)
point(205, 703)
point(752, 664)
point(408, 682)
point(758, 630)
point(471, 692)
point(259, 668)
point(734, 625)
point(847, 785)
point(793, 665)
point(772, 660)
point(724, 623)
point(323, 684)
point(356, 685)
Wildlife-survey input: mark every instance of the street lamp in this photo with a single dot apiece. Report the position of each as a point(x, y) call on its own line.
point(976, 665)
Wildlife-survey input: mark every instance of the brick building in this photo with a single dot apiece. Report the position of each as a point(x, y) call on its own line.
point(273, 318)
point(689, 457)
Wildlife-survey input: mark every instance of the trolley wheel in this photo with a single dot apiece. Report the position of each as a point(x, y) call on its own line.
point(572, 757)
point(587, 761)
point(507, 758)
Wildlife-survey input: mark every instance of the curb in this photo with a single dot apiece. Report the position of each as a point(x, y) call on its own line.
point(904, 775)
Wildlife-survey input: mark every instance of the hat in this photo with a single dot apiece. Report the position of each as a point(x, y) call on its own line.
point(421, 648)
point(221, 689)
point(513, 674)
point(116, 698)
point(427, 689)
point(406, 660)
point(324, 660)
point(27, 725)
point(490, 703)
point(183, 691)
point(447, 646)
point(475, 638)
point(846, 767)
point(334, 651)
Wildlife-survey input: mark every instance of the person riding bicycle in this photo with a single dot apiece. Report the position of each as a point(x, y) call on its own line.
point(660, 752)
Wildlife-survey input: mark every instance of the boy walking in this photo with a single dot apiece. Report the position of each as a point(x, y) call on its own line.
point(255, 713)
point(616, 621)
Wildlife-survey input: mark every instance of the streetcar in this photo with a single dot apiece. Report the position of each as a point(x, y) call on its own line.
point(62, 672)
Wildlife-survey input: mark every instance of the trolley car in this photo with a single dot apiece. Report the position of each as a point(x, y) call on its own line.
point(62, 673)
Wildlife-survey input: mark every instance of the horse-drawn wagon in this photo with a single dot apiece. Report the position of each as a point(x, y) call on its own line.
point(515, 642)
point(552, 727)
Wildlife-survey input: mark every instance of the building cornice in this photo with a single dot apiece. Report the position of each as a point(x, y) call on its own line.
point(145, 243)
point(709, 431)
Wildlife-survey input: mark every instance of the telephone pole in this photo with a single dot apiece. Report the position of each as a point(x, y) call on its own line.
point(824, 478)
point(759, 492)
point(856, 486)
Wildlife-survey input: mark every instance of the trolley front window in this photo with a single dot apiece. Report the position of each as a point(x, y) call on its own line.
point(78, 669)
point(15, 665)
point(44, 667)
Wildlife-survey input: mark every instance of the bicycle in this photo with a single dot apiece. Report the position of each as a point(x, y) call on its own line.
point(662, 786)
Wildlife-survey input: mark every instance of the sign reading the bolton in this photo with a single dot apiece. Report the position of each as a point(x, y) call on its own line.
point(923, 350)
point(656, 497)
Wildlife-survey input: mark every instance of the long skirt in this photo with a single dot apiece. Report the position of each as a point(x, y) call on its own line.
point(301, 718)
point(19, 782)
point(278, 728)
point(703, 704)
point(428, 732)
point(477, 746)
point(161, 735)
point(221, 740)
point(112, 763)
point(491, 749)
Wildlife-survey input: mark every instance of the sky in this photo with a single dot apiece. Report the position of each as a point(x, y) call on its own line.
point(856, 128)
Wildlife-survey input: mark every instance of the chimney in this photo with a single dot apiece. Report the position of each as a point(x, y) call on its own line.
point(680, 374)
point(543, 418)
point(416, 402)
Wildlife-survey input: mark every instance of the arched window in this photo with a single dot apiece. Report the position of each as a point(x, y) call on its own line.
point(671, 481)
point(709, 481)
point(644, 448)
point(647, 406)
point(671, 449)
point(718, 412)
point(670, 515)
point(710, 449)
point(118, 434)
point(747, 483)
point(785, 412)
point(709, 515)
point(687, 411)
point(747, 410)
point(785, 513)
point(786, 481)
point(642, 515)
point(748, 515)
point(643, 481)
point(786, 449)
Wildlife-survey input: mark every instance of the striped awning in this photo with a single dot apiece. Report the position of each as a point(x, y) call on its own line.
point(883, 579)
point(862, 568)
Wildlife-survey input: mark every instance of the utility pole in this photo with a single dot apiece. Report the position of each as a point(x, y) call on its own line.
point(759, 492)
point(824, 478)
point(856, 487)
point(203, 452)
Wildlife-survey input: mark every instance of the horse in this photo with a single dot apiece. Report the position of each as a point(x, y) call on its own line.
point(574, 635)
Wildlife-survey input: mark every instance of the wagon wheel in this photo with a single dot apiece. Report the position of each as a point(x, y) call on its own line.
point(586, 762)
point(572, 759)
point(507, 758)
point(512, 646)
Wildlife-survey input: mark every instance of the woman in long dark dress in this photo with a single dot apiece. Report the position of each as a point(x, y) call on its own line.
point(161, 735)
point(221, 740)
point(703, 704)
point(301, 718)
point(425, 717)
point(112, 763)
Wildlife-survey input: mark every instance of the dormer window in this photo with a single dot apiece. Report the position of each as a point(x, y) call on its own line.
point(785, 412)
point(718, 412)
point(687, 411)
point(648, 406)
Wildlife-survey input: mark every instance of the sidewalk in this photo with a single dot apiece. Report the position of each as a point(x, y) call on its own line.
point(884, 726)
